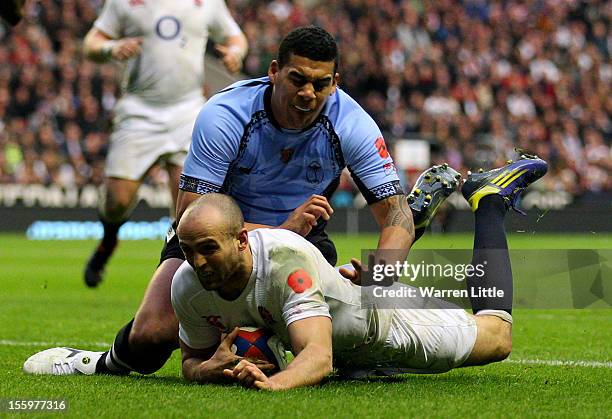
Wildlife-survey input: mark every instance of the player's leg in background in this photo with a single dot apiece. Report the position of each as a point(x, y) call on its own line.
point(119, 200)
point(135, 147)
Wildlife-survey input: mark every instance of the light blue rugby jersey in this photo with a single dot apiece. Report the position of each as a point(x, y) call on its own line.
point(238, 149)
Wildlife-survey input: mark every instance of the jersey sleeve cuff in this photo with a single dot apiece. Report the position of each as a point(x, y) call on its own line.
point(195, 343)
point(381, 192)
point(322, 312)
point(195, 185)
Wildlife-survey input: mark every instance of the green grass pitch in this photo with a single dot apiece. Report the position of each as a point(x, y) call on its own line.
point(561, 364)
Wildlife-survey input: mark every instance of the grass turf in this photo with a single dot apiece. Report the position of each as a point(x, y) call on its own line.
point(44, 303)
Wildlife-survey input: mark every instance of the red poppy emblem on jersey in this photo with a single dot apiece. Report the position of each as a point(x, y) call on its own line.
point(198, 3)
point(299, 281)
point(381, 147)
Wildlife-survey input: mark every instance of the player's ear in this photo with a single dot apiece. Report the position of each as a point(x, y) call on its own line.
point(273, 70)
point(335, 83)
point(243, 239)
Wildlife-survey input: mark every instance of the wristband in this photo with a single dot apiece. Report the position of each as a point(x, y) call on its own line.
point(107, 49)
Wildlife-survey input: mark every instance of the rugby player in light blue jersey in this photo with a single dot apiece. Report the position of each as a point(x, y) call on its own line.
point(271, 165)
point(277, 145)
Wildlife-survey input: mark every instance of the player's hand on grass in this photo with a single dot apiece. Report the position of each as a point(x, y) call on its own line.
point(126, 48)
point(306, 216)
point(231, 57)
point(250, 375)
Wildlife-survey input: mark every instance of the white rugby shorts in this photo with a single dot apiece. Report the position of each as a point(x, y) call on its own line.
point(430, 340)
point(144, 134)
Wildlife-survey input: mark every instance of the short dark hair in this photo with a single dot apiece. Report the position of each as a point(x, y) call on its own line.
point(310, 42)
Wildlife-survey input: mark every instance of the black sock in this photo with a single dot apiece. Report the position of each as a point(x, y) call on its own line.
point(491, 252)
point(101, 367)
point(108, 362)
point(111, 231)
point(418, 233)
point(123, 357)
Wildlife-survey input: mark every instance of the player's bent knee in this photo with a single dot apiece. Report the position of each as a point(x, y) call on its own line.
point(493, 341)
point(502, 346)
point(115, 212)
point(504, 349)
point(155, 333)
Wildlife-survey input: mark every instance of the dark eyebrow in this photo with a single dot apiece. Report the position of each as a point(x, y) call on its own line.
point(298, 75)
point(206, 242)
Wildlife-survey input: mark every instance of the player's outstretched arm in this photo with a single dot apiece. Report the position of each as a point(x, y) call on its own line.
point(99, 47)
point(397, 226)
point(311, 340)
point(207, 365)
point(396, 234)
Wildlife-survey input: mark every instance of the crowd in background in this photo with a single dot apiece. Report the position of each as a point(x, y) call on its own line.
point(475, 78)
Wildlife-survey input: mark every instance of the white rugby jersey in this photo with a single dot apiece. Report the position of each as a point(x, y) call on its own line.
point(170, 67)
point(291, 280)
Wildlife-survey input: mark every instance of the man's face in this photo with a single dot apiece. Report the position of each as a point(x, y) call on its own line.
point(301, 89)
point(212, 253)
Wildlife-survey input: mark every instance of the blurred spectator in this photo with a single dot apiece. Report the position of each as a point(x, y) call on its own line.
point(476, 78)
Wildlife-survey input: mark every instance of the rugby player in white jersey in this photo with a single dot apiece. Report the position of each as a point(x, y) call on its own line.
point(162, 43)
point(276, 279)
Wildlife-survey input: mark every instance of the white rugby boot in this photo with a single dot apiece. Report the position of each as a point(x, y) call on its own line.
point(62, 361)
